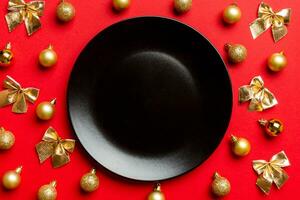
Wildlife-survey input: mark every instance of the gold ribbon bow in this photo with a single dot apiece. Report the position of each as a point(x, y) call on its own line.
point(20, 11)
point(268, 18)
point(53, 145)
point(260, 97)
point(271, 171)
point(16, 95)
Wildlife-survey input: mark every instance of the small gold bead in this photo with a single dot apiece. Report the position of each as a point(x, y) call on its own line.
point(12, 179)
point(232, 14)
point(48, 57)
point(121, 4)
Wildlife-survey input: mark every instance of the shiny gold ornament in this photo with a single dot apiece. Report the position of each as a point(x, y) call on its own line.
point(277, 62)
point(268, 18)
point(12, 179)
point(260, 97)
point(182, 6)
point(232, 14)
point(236, 52)
point(220, 186)
point(6, 56)
point(272, 127)
point(271, 171)
point(240, 146)
point(20, 11)
point(7, 139)
point(156, 194)
point(89, 182)
point(47, 192)
point(53, 145)
point(65, 11)
point(16, 95)
point(46, 110)
point(48, 57)
point(121, 4)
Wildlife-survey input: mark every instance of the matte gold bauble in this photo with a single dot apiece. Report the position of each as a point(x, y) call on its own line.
point(240, 146)
point(7, 139)
point(46, 110)
point(48, 57)
point(156, 194)
point(273, 127)
point(12, 179)
point(220, 185)
point(48, 192)
point(182, 6)
point(121, 4)
point(277, 62)
point(89, 182)
point(65, 11)
point(232, 14)
point(236, 52)
point(6, 56)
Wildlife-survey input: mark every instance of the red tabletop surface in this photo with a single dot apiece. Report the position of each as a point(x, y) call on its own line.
point(93, 16)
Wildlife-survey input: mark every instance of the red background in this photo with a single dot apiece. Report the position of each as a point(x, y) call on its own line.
point(93, 16)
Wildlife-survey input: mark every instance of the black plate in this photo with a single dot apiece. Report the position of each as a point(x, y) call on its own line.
point(149, 98)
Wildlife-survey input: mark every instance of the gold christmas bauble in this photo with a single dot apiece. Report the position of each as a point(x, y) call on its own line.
point(240, 146)
point(121, 4)
point(65, 11)
point(47, 192)
point(277, 62)
point(232, 14)
point(12, 179)
point(46, 110)
point(156, 194)
point(48, 57)
point(273, 127)
point(6, 56)
point(89, 182)
point(236, 52)
point(220, 186)
point(7, 139)
point(182, 6)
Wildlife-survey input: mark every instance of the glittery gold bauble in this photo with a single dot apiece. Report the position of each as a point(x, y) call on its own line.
point(47, 192)
point(277, 62)
point(182, 6)
point(89, 182)
point(156, 194)
point(220, 186)
point(12, 179)
point(7, 139)
point(65, 11)
point(48, 57)
point(273, 127)
point(46, 110)
point(121, 4)
point(240, 146)
point(6, 56)
point(236, 52)
point(232, 14)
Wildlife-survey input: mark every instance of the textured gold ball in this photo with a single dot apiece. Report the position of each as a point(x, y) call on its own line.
point(45, 110)
point(121, 4)
point(156, 194)
point(7, 139)
point(220, 186)
point(12, 179)
point(65, 11)
point(47, 192)
point(182, 6)
point(240, 146)
point(48, 57)
point(89, 182)
point(232, 14)
point(277, 62)
point(236, 52)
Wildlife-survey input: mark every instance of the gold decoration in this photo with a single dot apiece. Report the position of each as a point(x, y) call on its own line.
point(220, 186)
point(271, 171)
point(20, 11)
point(48, 57)
point(65, 11)
point(277, 62)
point(273, 127)
point(182, 6)
point(46, 110)
point(6, 56)
point(89, 182)
point(7, 139)
point(47, 192)
point(236, 52)
point(156, 194)
point(12, 179)
point(120, 5)
point(53, 145)
point(268, 18)
point(240, 146)
point(260, 97)
point(232, 14)
point(16, 95)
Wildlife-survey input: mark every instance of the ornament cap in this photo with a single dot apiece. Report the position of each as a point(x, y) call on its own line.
point(93, 171)
point(157, 187)
point(234, 139)
point(19, 169)
point(2, 129)
point(53, 101)
point(216, 175)
point(263, 122)
point(281, 52)
point(8, 46)
point(227, 46)
point(53, 183)
point(50, 46)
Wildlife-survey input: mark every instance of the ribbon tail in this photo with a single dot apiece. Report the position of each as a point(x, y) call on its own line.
point(264, 184)
point(44, 150)
point(13, 19)
point(279, 32)
point(20, 105)
point(4, 98)
point(280, 178)
point(257, 27)
point(32, 23)
point(60, 156)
